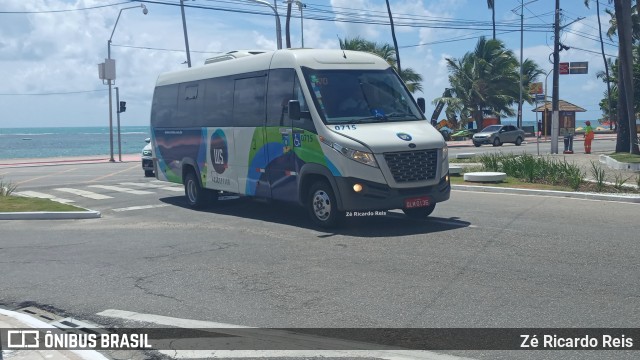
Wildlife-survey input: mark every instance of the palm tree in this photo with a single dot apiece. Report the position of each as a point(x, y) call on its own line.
point(604, 58)
point(411, 78)
point(627, 134)
point(486, 81)
point(492, 6)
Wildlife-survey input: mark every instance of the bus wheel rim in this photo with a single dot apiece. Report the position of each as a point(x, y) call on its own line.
point(321, 205)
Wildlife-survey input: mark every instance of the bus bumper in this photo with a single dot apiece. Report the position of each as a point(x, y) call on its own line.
point(376, 196)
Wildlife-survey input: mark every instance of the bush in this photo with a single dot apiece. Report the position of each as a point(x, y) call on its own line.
point(529, 168)
point(6, 188)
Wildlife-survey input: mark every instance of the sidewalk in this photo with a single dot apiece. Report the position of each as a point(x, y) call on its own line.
point(14, 320)
point(532, 140)
point(9, 163)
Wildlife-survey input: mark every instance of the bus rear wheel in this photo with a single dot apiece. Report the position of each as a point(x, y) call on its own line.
point(322, 206)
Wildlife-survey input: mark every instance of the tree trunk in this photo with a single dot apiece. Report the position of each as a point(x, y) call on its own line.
point(606, 68)
point(626, 71)
point(493, 17)
point(287, 26)
point(479, 119)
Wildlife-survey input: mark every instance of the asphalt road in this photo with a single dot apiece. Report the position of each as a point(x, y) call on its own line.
point(481, 260)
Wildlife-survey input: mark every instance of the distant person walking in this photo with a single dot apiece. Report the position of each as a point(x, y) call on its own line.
point(588, 137)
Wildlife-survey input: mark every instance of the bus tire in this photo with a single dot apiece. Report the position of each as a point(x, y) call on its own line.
point(195, 194)
point(322, 205)
point(419, 213)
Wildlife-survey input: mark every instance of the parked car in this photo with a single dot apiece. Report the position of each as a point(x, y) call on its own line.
point(498, 135)
point(147, 160)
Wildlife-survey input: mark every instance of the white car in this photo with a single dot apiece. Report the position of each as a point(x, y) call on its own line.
point(147, 160)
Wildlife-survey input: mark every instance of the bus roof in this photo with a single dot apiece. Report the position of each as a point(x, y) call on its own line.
point(289, 58)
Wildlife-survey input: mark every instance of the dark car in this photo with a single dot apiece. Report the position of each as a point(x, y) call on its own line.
point(497, 135)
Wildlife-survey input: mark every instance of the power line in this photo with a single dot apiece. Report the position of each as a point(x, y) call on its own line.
point(52, 93)
point(61, 11)
point(592, 51)
point(162, 49)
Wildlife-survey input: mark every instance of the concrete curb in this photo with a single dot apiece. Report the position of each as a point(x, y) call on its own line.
point(24, 321)
point(554, 193)
point(615, 164)
point(50, 215)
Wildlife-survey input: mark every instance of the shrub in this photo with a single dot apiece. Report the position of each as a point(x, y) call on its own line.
point(6, 188)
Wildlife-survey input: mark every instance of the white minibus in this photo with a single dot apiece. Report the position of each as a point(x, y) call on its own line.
point(334, 131)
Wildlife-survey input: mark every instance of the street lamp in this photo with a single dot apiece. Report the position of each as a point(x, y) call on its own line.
point(275, 11)
point(184, 30)
point(111, 74)
point(301, 5)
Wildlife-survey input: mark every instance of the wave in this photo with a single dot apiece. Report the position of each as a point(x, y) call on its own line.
point(28, 134)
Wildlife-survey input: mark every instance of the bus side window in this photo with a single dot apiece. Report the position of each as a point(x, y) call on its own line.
point(248, 101)
point(279, 92)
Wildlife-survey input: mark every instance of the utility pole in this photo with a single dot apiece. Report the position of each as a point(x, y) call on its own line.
point(521, 7)
point(555, 118)
point(393, 35)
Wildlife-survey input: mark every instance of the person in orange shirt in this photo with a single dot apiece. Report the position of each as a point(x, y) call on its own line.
point(588, 137)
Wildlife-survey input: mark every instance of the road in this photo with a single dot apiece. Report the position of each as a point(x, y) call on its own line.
point(482, 260)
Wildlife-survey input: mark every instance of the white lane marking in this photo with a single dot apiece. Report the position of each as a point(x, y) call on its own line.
point(40, 195)
point(122, 189)
point(141, 207)
point(603, 195)
point(283, 337)
point(153, 186)
point(85, 193)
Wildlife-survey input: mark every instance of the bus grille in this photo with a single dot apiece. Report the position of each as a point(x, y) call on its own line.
point(408, 166)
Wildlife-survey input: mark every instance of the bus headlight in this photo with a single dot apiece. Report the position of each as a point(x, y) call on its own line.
point(362, 157)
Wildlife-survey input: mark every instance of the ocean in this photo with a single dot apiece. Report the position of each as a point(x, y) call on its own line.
point(22, 143)
point(47, 142)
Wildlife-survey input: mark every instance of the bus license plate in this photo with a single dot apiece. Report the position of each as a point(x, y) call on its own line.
point(417, 202)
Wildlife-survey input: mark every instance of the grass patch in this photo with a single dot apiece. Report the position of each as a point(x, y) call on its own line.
point(25, 204)
point(531, 172)
point(626, 157)
point(463, 161)
point(510, 182)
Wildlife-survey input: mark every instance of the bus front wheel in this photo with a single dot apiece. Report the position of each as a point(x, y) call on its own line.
point(322, 206)
point(420, 213)
point(197, 197)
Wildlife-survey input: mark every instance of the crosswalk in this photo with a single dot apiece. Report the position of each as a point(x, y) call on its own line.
point(102, 192)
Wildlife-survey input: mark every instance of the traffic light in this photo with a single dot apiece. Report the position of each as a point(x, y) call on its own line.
point(123, 106)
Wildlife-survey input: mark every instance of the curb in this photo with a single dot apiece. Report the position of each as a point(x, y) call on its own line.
point(28, 321)
point(617, 165)
point(554, 193)
point(50, 215)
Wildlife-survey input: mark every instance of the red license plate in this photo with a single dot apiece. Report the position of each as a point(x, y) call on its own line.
point(417, 202)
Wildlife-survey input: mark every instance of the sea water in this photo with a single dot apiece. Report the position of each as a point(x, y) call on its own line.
point(69, 141)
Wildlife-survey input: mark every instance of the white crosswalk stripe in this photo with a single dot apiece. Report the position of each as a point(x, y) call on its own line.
point(40, 195)
point(122, 189)
point(154, 186)
point(85, 193)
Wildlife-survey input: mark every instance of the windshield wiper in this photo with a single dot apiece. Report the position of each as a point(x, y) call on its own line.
point(395, 115)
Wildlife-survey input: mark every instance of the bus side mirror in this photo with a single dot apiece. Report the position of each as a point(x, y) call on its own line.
point(422, 105)
point(294, 109)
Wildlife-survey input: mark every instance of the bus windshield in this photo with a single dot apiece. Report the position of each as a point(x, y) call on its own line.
point(360, 96)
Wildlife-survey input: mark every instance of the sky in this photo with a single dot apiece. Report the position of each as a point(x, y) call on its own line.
point(50, 49)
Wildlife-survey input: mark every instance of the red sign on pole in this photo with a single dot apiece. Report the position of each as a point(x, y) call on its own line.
point(564, 68)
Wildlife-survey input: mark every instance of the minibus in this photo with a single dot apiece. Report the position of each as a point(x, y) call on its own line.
point(336, 132)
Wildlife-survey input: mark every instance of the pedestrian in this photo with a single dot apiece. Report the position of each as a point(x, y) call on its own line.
point(588, 136)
